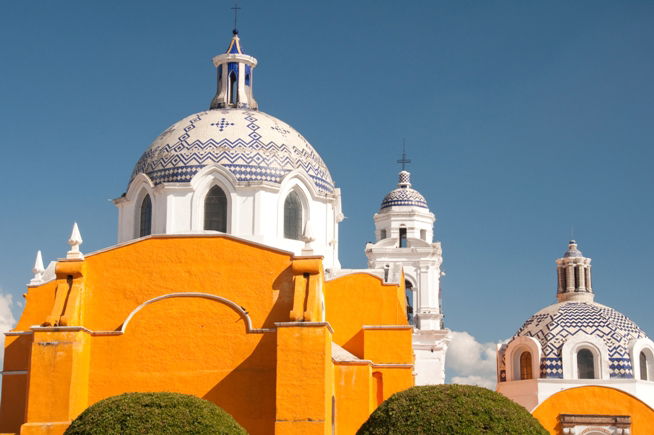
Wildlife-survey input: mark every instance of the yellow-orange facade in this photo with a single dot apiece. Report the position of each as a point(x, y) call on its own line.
point(256, 330)
point(594, 401)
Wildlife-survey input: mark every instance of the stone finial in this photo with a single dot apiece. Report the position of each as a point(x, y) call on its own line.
point(404, 179)
point(74, 241)
point(308, 238)
point(37, 270)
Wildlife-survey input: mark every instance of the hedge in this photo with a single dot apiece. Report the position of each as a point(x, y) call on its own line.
point(154, 413)
point(450, 409)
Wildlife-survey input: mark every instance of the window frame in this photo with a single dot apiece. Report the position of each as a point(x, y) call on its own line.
point(585, 341)
point(595, 365)
point(647, 346)
point(512, 357)
point(225, 208)
point(141, 204)
point(302, 219)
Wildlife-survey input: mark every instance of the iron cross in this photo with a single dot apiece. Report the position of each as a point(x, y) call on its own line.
point(404, 161)
point(235, 9)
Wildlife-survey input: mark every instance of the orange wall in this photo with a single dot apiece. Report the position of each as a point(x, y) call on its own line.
point(594, 400)
point(304, 379)
point(192, 346)
point(119, 279)
point(353, 385)
point(388, 345)
point(353, 301)
point(200, 346)
point(38, 303)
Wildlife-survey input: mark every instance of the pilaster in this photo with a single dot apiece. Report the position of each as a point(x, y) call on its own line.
point(58, 380)
point(305, 378)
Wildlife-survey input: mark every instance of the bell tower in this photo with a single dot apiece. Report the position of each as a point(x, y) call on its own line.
point(404, 242)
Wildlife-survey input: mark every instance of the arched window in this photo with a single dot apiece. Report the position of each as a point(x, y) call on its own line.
point(409, 301)
point(220, 76)
point(145, 217)
point(383, 234)
point(643, 366)
point(233, 88)
point(585, 364)
point(215, 210)
point(403, 240)
point(525, 365)
point(293, 216)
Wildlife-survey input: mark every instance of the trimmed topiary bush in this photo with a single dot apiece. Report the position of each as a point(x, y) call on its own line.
point(450, 409)
point(154, 413)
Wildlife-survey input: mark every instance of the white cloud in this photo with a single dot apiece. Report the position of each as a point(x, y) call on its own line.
point(475, 380)
point(7, 320)
point(471, 362)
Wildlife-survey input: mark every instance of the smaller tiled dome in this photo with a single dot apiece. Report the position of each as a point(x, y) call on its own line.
point(572, 250)
point(556, 324)
point(404, 195)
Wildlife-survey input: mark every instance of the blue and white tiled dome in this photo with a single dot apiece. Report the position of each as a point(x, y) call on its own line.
point(554, 325)
point(252, 145)
point(404, 195)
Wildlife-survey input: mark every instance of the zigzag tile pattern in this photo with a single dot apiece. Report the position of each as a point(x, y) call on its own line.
point(554, 325)
point(404, 196)
point(253, 146)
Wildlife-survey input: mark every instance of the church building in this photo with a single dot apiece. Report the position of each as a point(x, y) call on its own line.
point(580, 367)
point(226, 284)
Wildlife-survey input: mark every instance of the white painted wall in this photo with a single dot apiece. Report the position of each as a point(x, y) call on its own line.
point(255, 211)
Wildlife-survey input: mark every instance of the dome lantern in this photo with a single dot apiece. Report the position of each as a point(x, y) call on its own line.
point(574, 276)
point(234, 69)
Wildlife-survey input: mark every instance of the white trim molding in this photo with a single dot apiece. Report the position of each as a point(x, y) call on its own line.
point(585, 341)
point(513, 352)
point(642, 345)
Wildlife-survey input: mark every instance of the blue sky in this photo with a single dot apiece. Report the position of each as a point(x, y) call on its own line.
point(523, 119)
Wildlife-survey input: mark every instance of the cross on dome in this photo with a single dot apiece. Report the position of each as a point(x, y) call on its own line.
point(403, 161)
point(236, 8)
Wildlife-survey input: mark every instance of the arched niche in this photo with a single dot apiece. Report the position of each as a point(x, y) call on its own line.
point(516, 348)
point(140, 188)
point(597, 347)
point(298, 188)
point(643, 347)
point(201, 184)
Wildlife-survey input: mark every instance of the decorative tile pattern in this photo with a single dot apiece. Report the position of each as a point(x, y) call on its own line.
point(554, 325)
point(222, 124)
point(253, 146)
point(404, 196)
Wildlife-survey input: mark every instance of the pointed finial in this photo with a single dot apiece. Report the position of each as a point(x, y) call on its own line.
point(74, 241)
point(308, 238)
point(37, 270)
point(235, 9)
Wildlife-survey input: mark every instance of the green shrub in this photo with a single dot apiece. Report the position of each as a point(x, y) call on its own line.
point(154, 413)
point(450, 409)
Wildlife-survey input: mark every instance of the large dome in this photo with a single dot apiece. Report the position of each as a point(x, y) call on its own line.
point(554, 325)
point(252, 145)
